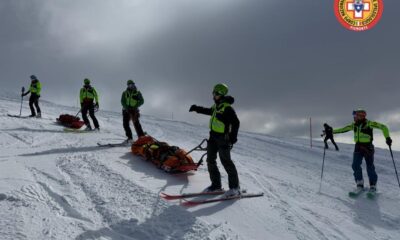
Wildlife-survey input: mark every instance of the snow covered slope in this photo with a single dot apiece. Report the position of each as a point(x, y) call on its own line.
point(58, 185)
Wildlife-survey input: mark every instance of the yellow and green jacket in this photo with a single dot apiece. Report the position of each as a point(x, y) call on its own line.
point(131, 99)
point(35, 88)
point(88, 95)
point(363, 131)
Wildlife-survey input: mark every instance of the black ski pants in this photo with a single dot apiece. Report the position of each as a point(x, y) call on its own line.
point(218, 144)
point(89, 108)
point(34, 101)
point(332, 140)
point(134, 115)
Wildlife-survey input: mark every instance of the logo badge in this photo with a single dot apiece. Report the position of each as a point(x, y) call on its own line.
point(358, 15)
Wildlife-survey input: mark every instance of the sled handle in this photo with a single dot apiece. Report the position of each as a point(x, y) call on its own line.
point(199, 147)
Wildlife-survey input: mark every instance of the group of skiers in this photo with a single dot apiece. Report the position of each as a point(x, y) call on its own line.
point(224, 126)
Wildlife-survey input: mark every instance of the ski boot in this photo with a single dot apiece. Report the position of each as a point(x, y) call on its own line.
point(39, 115)
point(359, 189)
point(372, 192)
point(232, 192)
point(212, 189)
point(128, 141)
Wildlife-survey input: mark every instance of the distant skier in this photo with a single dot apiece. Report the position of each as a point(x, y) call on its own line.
point(363, 137)
point(224, 126)
point(328, 134)
point(34, 90)
point(87, 97)
point(131, 100)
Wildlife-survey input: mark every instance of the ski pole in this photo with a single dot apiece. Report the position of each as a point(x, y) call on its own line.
point(322, 171)
point(22, 100)
point(394, 164)
point(78, 113)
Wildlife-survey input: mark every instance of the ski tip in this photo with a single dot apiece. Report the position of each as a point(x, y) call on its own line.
point(165, 196)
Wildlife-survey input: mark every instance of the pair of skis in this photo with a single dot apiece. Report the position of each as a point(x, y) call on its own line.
point(356, 193)
point(218, 194)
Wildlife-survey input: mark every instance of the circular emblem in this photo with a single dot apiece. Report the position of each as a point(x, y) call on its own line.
point(358, 15)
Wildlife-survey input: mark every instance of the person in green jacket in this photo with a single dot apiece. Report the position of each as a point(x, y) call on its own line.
point(88, 96)
point(131, 100)
point(224, 126)
point(34, 90)
point(363, 137)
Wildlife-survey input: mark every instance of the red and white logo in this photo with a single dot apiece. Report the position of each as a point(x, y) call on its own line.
point(358, 15)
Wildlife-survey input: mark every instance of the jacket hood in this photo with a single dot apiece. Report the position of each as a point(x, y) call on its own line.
point(228, 99)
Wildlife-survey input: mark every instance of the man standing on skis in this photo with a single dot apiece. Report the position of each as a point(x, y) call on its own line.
point(131, 100)
point(363, 137)
point(224, 127)
point(87, 97)
point(328, 133)
point(34, 90)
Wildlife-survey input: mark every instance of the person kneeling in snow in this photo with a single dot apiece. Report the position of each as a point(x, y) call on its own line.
point(131, 100)
point(363, 137)
point(224, 127)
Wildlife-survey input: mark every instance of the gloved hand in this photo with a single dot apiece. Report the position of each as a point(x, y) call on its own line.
point(389, 141)
point(233, 140)
point(193, 108)
point(96, 105)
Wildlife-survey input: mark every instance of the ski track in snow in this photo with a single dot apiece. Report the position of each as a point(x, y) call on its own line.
point(58, 185)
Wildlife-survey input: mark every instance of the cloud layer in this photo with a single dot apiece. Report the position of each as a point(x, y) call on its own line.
point(285, 61)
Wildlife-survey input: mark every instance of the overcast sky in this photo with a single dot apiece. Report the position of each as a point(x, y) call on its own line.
point(284, 60)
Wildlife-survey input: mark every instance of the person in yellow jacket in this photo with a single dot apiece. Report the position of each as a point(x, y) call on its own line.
point(131, 101)
point(34, 90)
point(89, 101)
point(363, 137)
point(224, 127)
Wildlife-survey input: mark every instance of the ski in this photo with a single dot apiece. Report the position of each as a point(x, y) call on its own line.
point(356, 193)
point(191, 203)
point(18, 116)
point(72, 130)
point(190, 195)
point(113, 145)
point(371, 194)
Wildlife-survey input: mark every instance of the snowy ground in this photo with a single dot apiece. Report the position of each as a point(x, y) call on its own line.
point(58, 185)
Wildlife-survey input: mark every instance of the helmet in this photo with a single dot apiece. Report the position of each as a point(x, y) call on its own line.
point(130, 82)
point(361, 112)
point(86, 81)
point(33, 77)
point(220, 89)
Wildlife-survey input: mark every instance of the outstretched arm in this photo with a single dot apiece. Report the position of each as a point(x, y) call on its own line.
point(380, 126)
point(201, 110)
point(344, 129)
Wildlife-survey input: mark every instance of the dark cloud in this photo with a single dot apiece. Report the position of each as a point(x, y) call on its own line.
point(283, 60)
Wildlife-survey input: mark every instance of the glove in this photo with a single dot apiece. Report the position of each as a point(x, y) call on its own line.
point(193, 108)
point(233, 140)
point(96, 105)
point(389, 141)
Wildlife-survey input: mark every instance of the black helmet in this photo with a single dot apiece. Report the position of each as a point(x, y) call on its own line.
point(33, 77)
